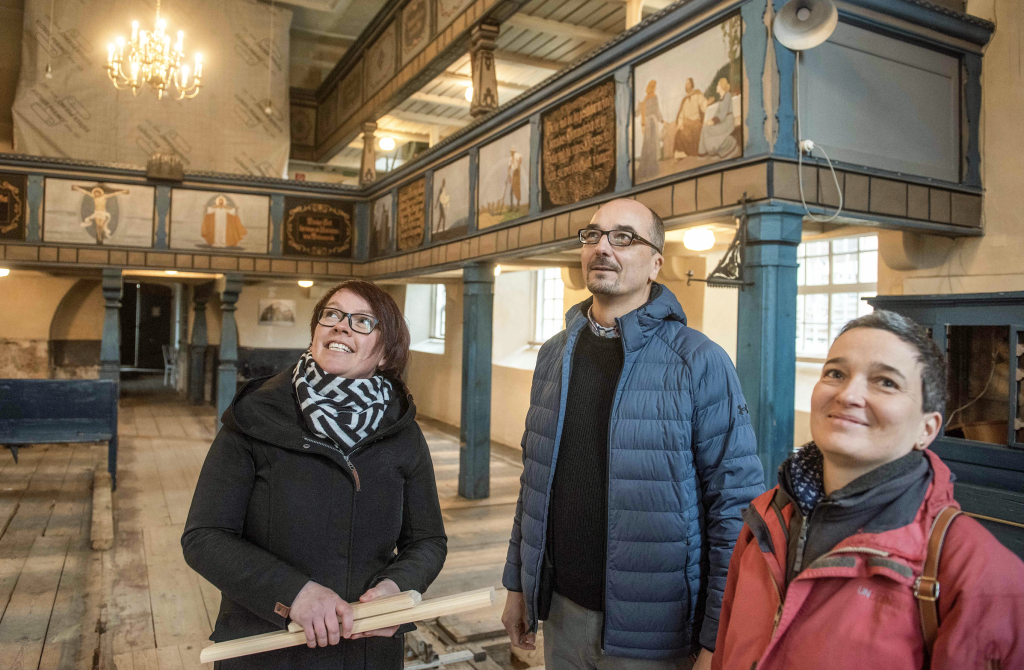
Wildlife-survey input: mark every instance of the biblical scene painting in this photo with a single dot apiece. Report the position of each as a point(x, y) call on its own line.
point(82, 212)
point(380, 226)
point(689, 108)
point(12, 207)
point(226, 221)
point(504, 189)
point(449, 208)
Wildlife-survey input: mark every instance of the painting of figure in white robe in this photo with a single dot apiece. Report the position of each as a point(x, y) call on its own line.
point(690, 111)
point(219, 221)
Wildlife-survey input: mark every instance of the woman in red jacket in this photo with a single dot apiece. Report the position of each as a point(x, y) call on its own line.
point(824, 568)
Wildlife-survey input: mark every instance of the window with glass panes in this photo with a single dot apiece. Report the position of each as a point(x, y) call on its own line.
point(550, 290)
point(438, 298)
point(833, 278)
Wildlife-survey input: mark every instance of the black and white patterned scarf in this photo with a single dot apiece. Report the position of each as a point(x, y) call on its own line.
point(342, 410)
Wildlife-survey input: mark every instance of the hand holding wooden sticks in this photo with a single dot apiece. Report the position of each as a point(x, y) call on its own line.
point(381, 613)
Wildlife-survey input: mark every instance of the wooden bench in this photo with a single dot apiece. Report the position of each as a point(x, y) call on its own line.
point(43, 411)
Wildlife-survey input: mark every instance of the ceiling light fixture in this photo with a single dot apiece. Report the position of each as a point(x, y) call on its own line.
point(497, 270)
point(305, 283)
point(469, 94)
point(171, 272)
point(4, 272)
point(387, 143)
point(150, 59)
point(699, 239)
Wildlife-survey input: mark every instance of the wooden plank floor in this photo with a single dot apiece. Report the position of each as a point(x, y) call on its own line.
point(139, 606)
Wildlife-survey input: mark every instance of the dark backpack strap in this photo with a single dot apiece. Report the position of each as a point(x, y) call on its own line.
point(926, 587)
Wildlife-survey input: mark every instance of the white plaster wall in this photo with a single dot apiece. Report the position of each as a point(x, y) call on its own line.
point(251, 334)
point(435, 380)
point(994, 262)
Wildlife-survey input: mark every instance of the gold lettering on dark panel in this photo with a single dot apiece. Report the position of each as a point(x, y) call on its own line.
point(318, 228)
point(578, 147)
point(411, 204)
point(12, 207)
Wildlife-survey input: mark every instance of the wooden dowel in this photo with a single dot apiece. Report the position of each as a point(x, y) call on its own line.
point(399, 601)
point(430, 609)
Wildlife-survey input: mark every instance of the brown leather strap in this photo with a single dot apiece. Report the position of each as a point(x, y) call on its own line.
point(926, 587)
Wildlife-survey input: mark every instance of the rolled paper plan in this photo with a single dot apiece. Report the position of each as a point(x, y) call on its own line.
point(428, 609)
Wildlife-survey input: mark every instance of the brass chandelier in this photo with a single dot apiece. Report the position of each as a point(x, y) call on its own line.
point(150, 59)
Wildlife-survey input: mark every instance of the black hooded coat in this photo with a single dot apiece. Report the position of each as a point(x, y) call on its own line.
point(277, 506)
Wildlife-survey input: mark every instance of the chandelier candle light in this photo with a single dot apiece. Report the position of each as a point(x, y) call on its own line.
point(150, 59)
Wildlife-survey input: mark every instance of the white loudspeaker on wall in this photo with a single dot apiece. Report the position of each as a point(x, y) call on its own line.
point(804, 24)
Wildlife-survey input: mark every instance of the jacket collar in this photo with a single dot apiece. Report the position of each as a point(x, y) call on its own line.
point(909, 542)
point(266, 409)
point(638, 326)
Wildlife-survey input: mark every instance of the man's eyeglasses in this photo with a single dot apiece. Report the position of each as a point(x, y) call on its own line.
point(359, 323)
point(617, 238)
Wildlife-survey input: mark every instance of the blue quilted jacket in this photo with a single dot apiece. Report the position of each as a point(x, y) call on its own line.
point(682, 466)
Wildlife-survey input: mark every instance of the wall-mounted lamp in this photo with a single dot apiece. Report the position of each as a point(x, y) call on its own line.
point(305, 283)
point(497, 270)
point(4, 272)
point(699, 239)
point(386, 143)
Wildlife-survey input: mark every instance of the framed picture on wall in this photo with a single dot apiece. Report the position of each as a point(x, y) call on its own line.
point(315, 227)
point(688, 104)
point(277, 312)
point(12, 206)
point(449, 207)
point(219, 221)
point(98, 213)
point(504, 184)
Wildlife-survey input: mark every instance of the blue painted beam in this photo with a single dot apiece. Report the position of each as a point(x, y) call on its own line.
point(972, 116)
point(34, 194)
point(785, 62)
point(475, 425)
point(163, 209)
point(227, 372)
point(766, 338)
point(361, 229)
point(276, 223)
point(474, 178)
point(623, 128)
point(110, 345)
point(197, 349)
point(535, 137)
point(756, 41)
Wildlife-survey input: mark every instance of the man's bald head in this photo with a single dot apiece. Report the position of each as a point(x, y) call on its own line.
point(632, 212)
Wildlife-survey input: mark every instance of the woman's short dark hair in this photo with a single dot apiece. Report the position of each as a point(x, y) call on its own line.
point(933, 362)
point(394, 333)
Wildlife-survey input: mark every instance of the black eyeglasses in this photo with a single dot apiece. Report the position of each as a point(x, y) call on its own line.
point(617, 238)
point(359, 323)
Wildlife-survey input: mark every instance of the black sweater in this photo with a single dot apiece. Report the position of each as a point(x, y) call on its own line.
point(275, 507)
point(578, 517)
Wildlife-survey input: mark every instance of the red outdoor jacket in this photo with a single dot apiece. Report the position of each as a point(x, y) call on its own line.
point(854, 607)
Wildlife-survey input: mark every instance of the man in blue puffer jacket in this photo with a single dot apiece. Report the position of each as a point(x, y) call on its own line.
point(638, 459)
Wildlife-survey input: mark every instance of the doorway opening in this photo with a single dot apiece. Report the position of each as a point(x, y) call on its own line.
point(148, 337)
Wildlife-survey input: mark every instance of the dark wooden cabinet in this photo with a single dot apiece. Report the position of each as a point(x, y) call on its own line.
point(983, 337)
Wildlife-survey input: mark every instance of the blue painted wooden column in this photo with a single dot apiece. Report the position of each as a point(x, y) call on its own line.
point(766, 351)
point(227, 372)
point(197, 349)
point(475, 426)
point(110, 345)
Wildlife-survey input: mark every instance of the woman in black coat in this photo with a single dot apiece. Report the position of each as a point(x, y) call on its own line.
point(318, 476)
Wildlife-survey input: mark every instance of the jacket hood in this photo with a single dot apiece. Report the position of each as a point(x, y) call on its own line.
point(266, 409)
point(637, 326)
